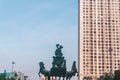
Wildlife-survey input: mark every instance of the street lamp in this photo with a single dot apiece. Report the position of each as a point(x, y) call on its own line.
point(110, 50)
point(86, 66)
point(13, 66)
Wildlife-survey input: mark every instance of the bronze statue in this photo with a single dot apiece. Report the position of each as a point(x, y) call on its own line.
point(58, 59)
point(43, 71)
point(58, 52)
point(58, 67)
point(73, 71)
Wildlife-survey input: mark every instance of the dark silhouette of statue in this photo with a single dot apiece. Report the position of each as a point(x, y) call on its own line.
point(58, 67)
point(58, 52)
point(58, 59)
point(43, 71)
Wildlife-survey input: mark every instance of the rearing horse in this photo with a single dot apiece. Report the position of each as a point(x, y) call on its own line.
point(43, 71)
point(73, 71)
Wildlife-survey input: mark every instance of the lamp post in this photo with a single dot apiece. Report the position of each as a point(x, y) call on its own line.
point(110, 50)
point(13, 66)
point(86, 66)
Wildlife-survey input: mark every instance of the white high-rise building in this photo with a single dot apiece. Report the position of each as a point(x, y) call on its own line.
point(99, 37)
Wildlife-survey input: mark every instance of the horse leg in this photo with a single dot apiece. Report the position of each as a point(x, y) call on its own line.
point(59, 78)
point(63, 78)
point(55, 78)
point(48, 77)
point(66, 78)
point(52, 78)
point(45, 78)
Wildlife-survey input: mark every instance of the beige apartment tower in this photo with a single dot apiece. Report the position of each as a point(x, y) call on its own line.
point(99, 37)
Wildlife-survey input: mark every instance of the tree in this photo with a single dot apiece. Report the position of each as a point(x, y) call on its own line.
point(87, 78)
point(12, 78)
point(106, 77)
point(2, 77)
point(117, 75)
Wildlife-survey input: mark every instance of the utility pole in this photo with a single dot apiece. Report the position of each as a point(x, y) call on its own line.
point(110, 54)
point(13, 66)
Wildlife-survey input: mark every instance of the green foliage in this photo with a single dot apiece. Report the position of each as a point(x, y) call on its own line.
point(117, 75)
point(87, 78)
point(12, 78)
point(108, 77)
point(2, 77)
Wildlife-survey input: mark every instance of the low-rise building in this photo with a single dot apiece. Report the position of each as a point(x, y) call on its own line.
point(13, 76)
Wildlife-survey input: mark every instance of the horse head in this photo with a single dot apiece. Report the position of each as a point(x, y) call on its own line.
point(41, 64)
point(43, 70)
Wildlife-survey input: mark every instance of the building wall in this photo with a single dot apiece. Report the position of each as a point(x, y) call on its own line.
point(20, 76)
point(99, 31)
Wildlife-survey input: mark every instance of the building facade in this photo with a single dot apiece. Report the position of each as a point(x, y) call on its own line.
point(7, 76)
point(99, 37)
point(13, 75)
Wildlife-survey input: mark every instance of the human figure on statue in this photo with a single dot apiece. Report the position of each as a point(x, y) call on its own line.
point(58, 58)
point(58, 52)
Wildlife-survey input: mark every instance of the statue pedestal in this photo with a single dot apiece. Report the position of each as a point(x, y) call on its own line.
point(57, 71)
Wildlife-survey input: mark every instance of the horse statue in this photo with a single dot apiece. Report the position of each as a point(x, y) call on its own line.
point(59, 63)
point(68, 74)
point(58, 69)
point(43, 71)
point(73, 71)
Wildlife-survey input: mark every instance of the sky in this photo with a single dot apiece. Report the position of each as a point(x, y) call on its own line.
point(30, 30)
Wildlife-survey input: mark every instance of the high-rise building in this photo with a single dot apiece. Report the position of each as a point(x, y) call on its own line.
point(99, 37)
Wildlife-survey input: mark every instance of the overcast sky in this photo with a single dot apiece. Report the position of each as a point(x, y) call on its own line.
point(30, 29)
